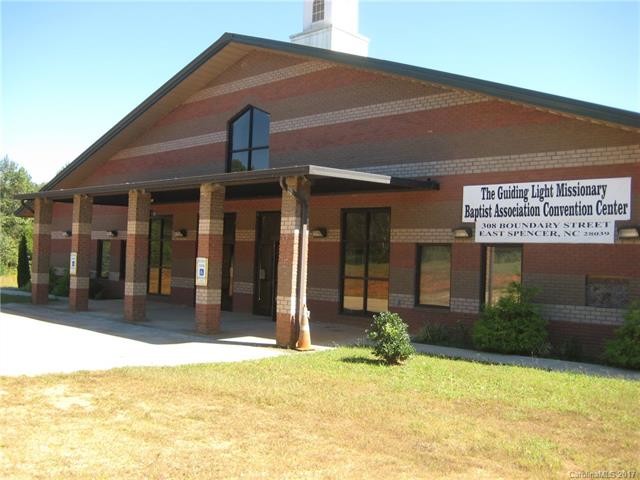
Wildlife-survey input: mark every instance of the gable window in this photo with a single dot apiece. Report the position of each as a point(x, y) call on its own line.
point(365, 260)
point(434, 275)
point(503, 265)
point(249, 141)
point(317, 13)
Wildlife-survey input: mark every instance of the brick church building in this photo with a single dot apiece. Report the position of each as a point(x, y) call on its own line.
point(278, 178)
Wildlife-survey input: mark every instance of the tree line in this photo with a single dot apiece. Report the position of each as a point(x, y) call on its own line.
point(14, 229)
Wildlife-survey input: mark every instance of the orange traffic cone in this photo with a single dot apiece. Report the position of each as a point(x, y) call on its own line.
point(304, 337)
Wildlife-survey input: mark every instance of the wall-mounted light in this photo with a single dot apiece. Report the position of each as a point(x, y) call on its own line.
point(66, 234)
point(629, 232)
point(112, 233)
point(319, 232)
point(462, 232)
point(182, 233)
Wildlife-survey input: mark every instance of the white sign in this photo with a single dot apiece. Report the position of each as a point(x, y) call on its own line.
point(73, 263)
point(558, 211)
point(202, 268)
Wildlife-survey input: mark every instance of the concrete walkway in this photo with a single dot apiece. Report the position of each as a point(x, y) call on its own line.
point(49, 339)
point(36, 340)
point(530, 362)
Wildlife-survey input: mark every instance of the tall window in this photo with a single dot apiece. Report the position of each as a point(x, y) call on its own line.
point(317, 11)
point(434, 275)
point(249, 146)
point(104, 258)
point(503, 266)
point(365, 254)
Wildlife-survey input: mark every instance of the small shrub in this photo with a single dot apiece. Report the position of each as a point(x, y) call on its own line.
point(512, 325)
point(24, 272)
point(624, 349)
point(391, 342)
point(61, 286)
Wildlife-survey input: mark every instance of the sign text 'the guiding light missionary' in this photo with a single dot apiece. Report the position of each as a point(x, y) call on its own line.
point(558, 211)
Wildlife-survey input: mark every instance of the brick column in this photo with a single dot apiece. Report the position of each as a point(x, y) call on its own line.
point(210, 228)
point(43, 213)
point(135, 284)
point(287, 310)
point(81, 246)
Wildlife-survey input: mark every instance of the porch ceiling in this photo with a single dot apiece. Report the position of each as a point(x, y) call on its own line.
point(240, 185)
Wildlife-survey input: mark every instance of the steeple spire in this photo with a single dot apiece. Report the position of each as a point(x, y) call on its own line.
point(332, 24)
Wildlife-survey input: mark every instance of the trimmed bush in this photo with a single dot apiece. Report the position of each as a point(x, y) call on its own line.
point(61, 286)
point(24, 273)
point(391, 342)
point(624, 349)
point(512, 325)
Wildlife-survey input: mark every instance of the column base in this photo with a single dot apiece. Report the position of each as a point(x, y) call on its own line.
point(285, 331)
point(207, 318)
point(39, 293)
point(135, 308)
point(79, 299)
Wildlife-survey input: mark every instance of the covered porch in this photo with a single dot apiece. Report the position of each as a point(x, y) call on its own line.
point(170, 323)
point(293, 185)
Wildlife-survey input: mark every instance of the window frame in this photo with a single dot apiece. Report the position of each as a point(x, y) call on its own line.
point(317, 11)
point(365, 278)
point(418, 272)
point(250, 149)
point(483, 290)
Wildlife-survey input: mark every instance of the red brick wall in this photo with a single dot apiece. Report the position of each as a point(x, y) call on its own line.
point(456, 138)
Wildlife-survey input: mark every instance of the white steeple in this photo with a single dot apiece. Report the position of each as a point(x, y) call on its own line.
point(332, 24)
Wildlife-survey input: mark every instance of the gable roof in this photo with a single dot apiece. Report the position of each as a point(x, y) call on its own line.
point(230, 47)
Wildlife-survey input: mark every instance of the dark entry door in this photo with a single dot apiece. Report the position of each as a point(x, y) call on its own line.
point(159, 274)
point(266, 271)
point(228, 247)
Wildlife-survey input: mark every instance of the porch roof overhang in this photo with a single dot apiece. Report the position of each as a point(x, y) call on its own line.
point(240, 185)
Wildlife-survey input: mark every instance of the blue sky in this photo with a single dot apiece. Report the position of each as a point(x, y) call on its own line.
point(71, 70)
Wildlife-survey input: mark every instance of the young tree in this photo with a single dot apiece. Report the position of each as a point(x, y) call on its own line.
point(24, 272)
point(13, 179)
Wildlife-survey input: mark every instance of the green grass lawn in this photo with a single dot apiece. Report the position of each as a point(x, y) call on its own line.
point(336, 414)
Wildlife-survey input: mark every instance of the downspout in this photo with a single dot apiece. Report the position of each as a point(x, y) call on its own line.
point(302, 317)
